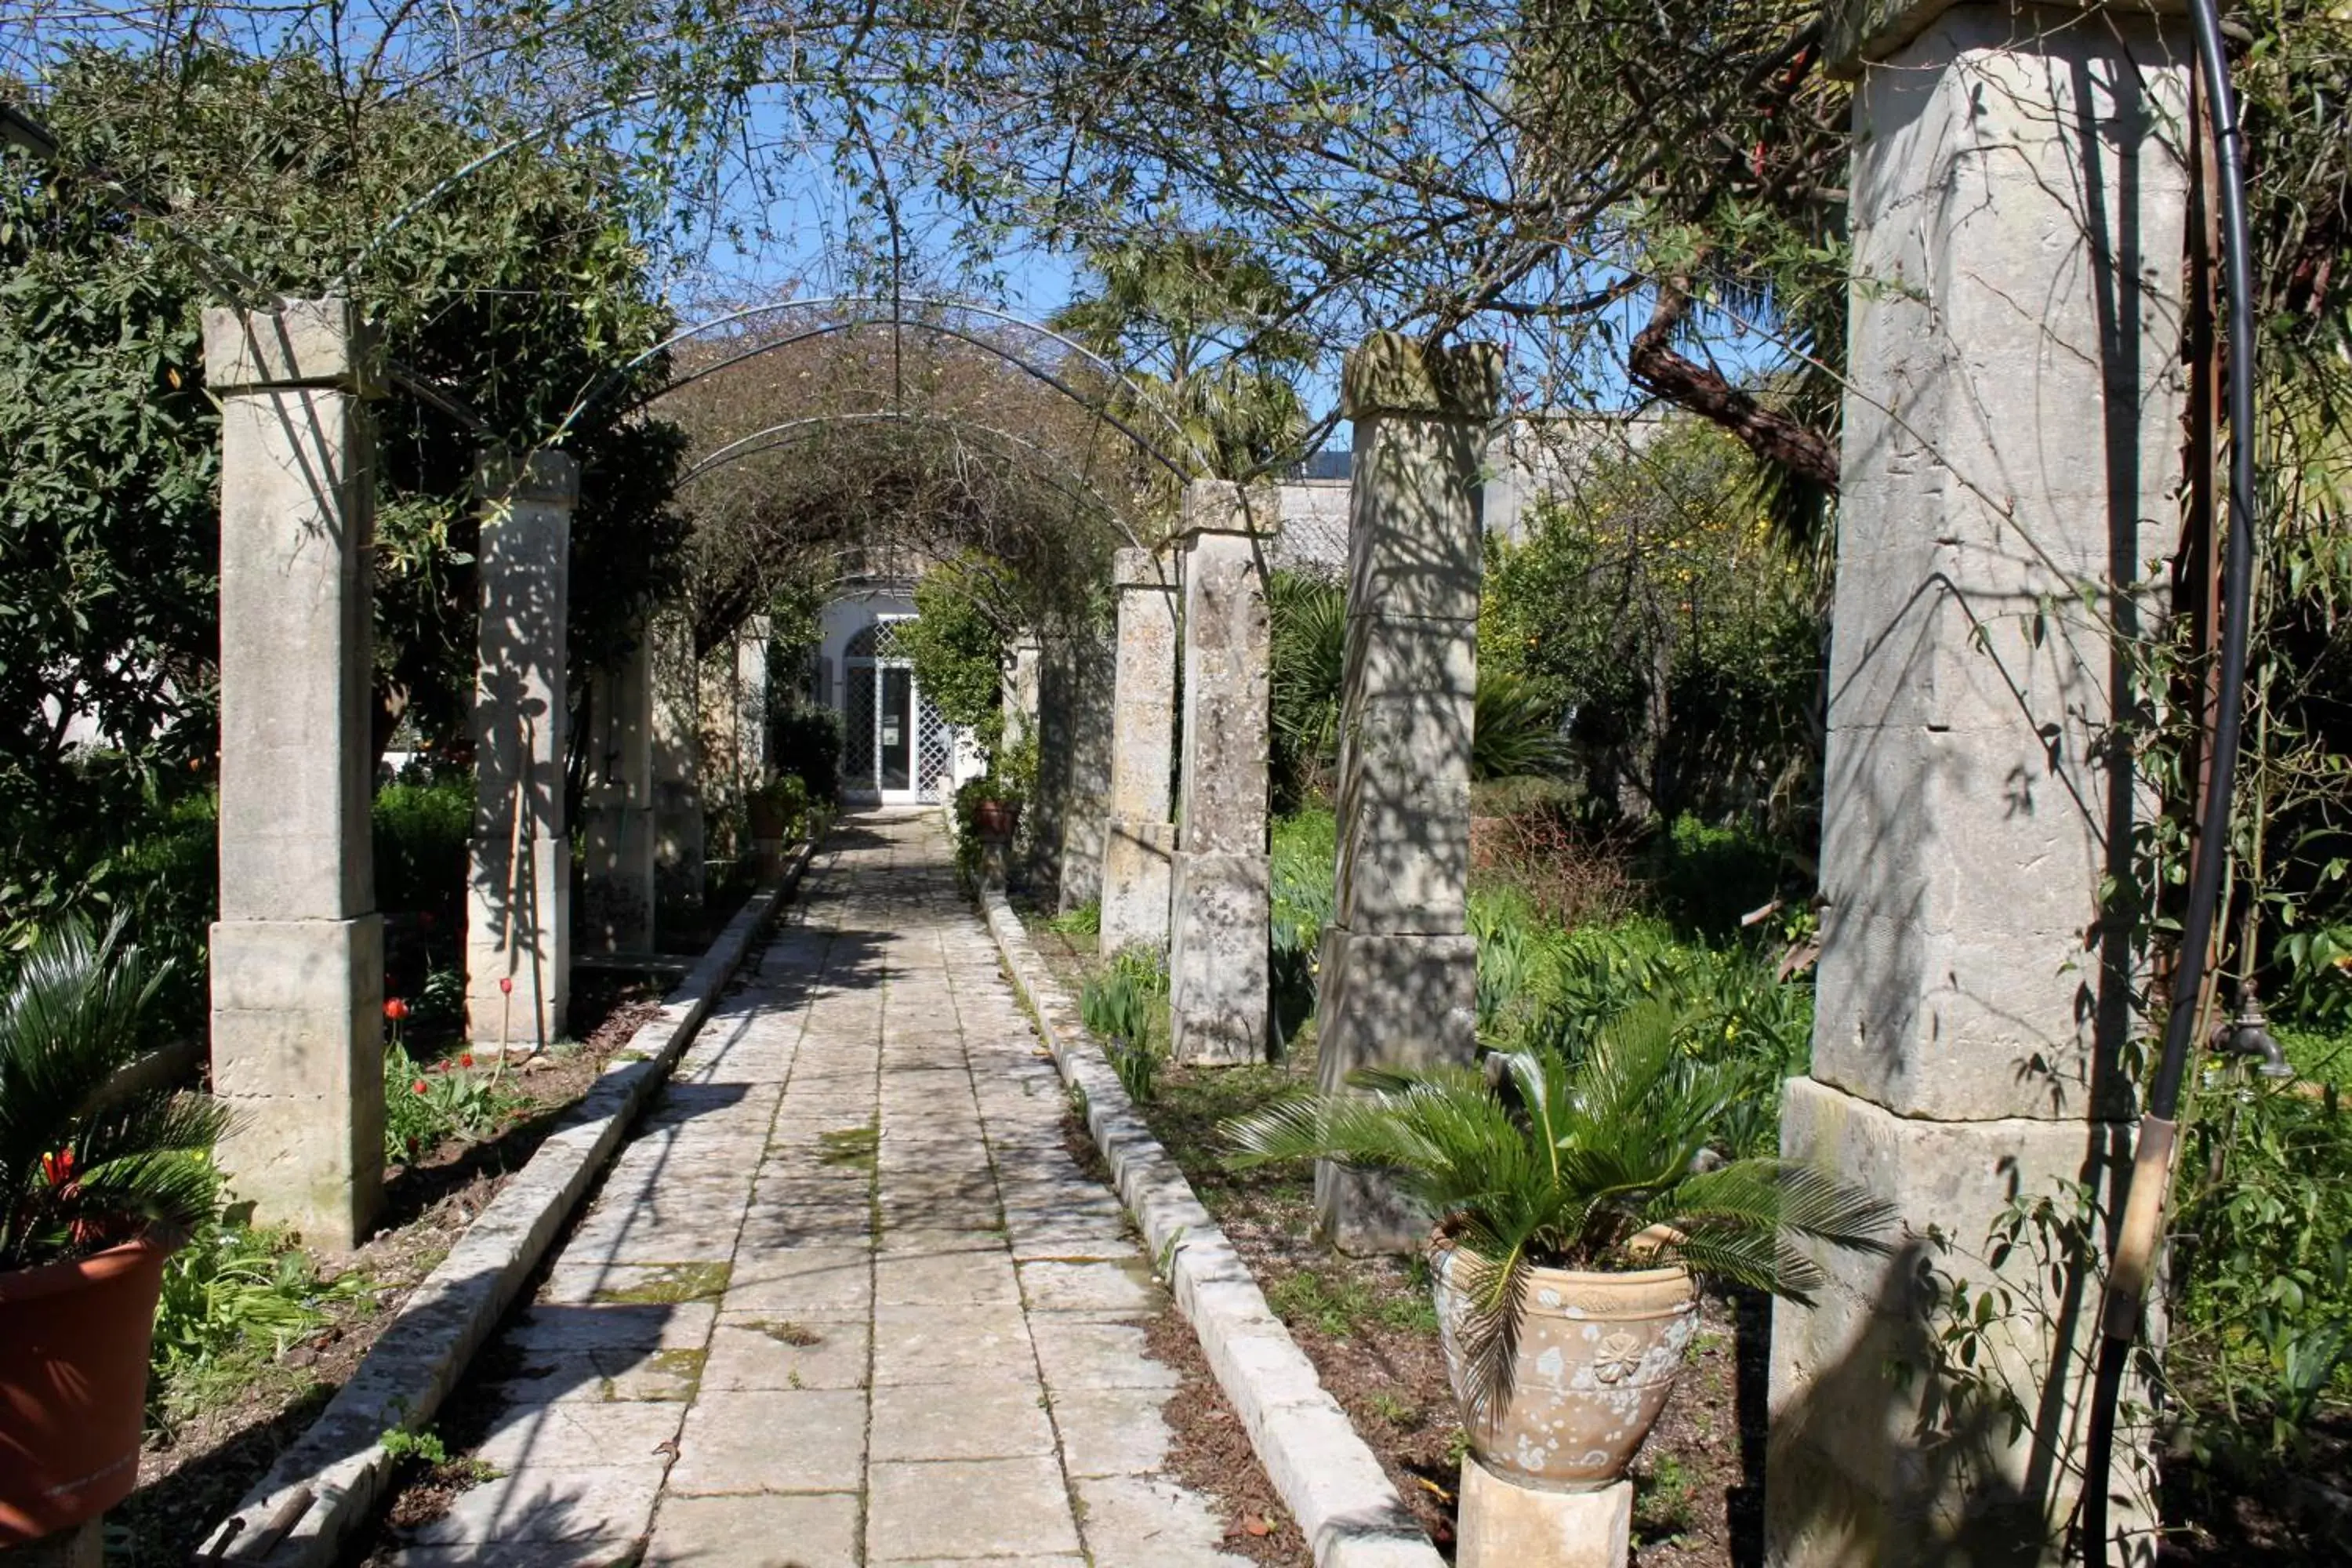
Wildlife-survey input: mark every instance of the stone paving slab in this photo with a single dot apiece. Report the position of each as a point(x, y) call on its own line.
point(845, 1298)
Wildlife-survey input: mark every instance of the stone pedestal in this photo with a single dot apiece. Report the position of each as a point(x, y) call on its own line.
point(1503, 1525)
point(2010, 433)
point(1400, 973)
point(617, 836)
point(1219, 908)
point(518, 924)
point(1141, 838)
point(298, 952)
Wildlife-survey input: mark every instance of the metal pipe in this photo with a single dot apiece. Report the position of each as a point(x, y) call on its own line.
point(2125, 1293)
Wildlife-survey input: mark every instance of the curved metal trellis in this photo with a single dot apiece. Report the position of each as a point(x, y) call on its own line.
point(1059, 474)
point(898, 321)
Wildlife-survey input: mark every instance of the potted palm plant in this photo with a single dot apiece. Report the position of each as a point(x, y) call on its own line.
point(102, 1171)
point(1577, 1206)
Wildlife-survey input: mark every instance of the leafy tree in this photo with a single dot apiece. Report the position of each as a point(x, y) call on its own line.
point(958, 645)
point(507, 298)
point(1652, 610)
point(1193, 320)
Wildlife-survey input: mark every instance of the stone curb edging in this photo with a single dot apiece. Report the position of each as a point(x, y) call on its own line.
point(1327, 1476)
point(340, 1464)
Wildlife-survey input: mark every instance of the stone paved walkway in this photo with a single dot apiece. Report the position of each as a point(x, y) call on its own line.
point(845, 1298)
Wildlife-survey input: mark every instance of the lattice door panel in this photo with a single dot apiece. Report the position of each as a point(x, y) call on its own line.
point(935, 754)
point(857, 717)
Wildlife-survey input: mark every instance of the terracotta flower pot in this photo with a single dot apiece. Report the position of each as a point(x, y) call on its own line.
point(1597, 1356)
point(996, 820)
point(74, 1337)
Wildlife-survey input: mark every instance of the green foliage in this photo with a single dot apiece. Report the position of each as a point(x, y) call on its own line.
point(421, 834)
point(1515, 733)
point(91, 1155)
point(1654, 610)
point(426, 1107)
point(511, 292)
point(1568, 1162)
point(808, 744)
point(2263, 1199)
point(234, 1298)
point(1195, 319)
point(400, 1444)
point(1125, 1006)
point(957, 642)
point(1084, 920)
point(1705, 877)
point(1307, 617)
point(1340, 1303)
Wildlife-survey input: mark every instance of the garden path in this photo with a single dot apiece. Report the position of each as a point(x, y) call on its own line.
point(845, 1298)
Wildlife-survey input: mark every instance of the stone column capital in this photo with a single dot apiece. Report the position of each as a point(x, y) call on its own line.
point(1861, 33)
point(545, 477)
point(1221, 506)
point(296, 343)
point(1142, 569)
point(1391, 374)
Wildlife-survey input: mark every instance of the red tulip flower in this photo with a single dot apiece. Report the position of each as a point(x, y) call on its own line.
point(466, 1059)
point(395, 1009)
point(420, 1086)
point(506, 985)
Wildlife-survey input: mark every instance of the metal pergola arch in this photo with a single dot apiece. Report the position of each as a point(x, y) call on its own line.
point(865, 313)
point(1052, 470)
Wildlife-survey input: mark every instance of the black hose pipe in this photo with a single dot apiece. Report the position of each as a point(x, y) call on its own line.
point(2125, 1295)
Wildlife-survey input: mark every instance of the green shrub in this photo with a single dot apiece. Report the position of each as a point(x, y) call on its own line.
point(421, 833)
point(1705, 877)
point(234, 1297)
point(808, 744)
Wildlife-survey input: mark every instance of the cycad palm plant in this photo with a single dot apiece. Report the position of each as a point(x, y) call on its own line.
point(1600, 1162)
point(91, 1156)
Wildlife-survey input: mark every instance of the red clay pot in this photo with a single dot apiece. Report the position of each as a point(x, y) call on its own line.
point(74, 1337)
point(995, 820)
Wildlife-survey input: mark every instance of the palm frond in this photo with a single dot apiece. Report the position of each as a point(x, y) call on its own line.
point(87, 1157)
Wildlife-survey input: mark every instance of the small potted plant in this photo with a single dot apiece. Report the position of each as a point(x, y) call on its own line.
point(102, 1172)
point(1577, 1206)
point(993, 809)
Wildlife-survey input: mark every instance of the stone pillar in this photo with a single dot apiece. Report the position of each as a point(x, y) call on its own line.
point(1141, 841)
point(679, 851)
point(1020, 695)
point(518, 924)
point(1074, 702)
point(618, 837)
point(1219, 914)
point(297, 953)
point(2010, 432)
point(752, 679)
point(1400, 972)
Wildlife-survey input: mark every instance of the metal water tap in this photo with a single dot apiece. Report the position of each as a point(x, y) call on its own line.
point(2248, 1034)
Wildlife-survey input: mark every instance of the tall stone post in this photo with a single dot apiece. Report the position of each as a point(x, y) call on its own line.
point(678, 853)
point(2011, 424)
point(298, 952)
point(1141, 846)
point(1022, 677)
point(1399, 971)
point(618, 838)
point(1219, 901)
point(754, 654)
point(518, 924)
point(1074, 702)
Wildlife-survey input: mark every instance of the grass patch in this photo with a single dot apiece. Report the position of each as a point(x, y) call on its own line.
point(670, 1285)
point(849, 1146)
point(1344, 1304)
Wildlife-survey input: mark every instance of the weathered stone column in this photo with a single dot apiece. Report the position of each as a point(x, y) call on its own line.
point(1218, 897)
point(297, 953)
point(1074, 703)
point(618, 838)
point(1400, 972)
point(1141, 842)
point(678, 827)
point(753, 652)
point(1022, 675)
point(518, 924)
point(2009, 431)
